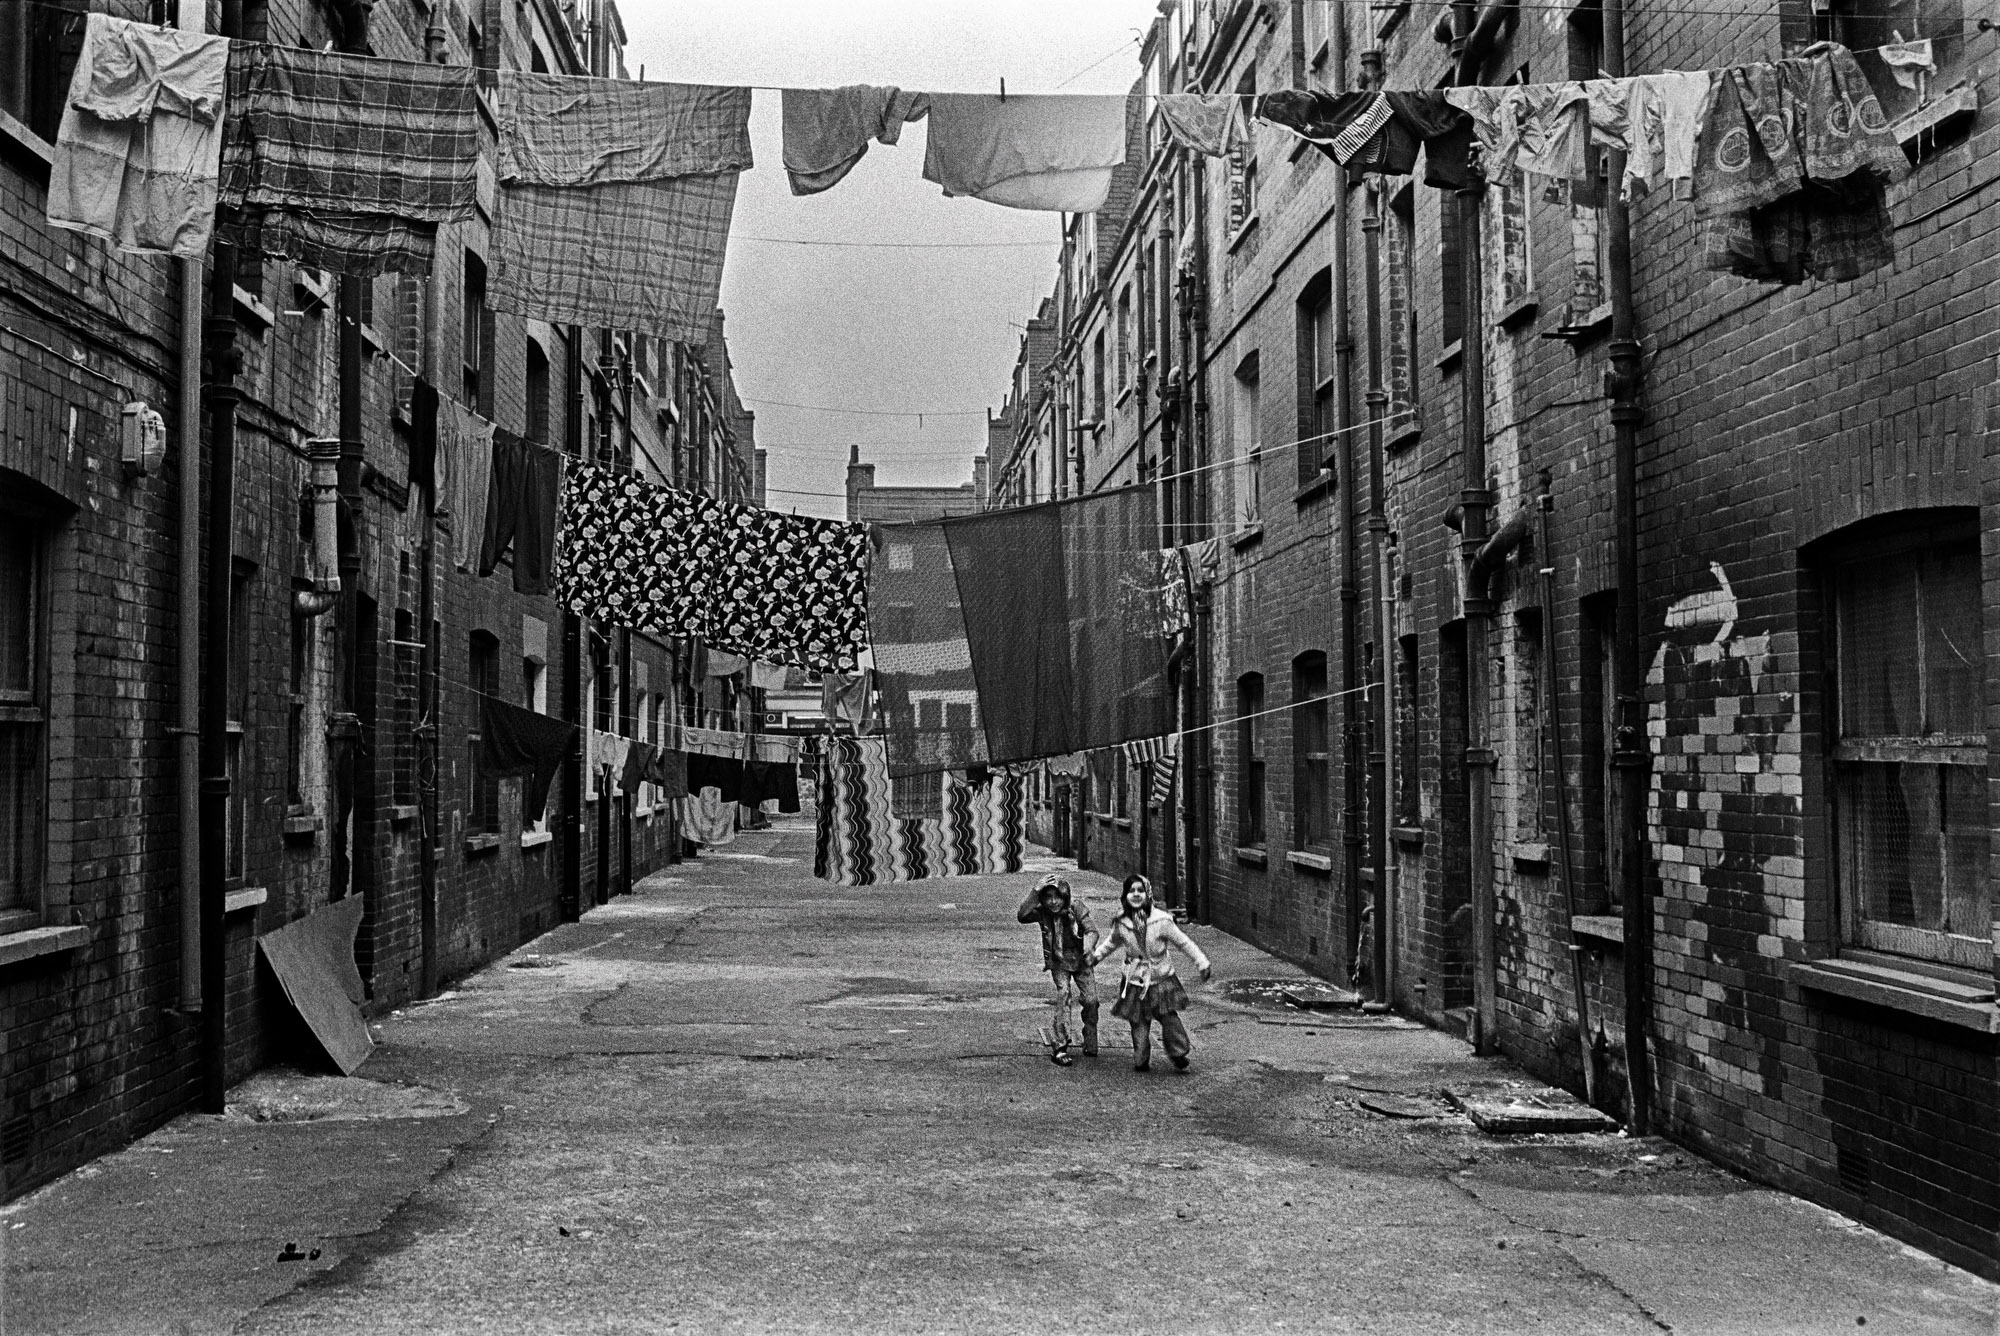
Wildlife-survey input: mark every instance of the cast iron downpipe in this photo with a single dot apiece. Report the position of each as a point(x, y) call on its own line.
point(323, 461)
point(1473, 32)
point(625, 642)
point(1631, 764)
point(224, 362)
point(571, 821)
point(601, 383)
point(430, 735)
point(188, 591)
point(1378, 407)
point(1354, 813)
point(1195, 432)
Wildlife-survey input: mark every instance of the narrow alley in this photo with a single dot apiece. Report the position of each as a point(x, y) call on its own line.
point(742, 1100)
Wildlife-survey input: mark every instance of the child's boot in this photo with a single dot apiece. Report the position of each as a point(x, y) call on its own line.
point(1090, 1031)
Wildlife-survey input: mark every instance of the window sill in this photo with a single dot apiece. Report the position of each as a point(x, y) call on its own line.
point(481, 844)
point(251, 311)
point(310, 293)
point(1407, 434)
point(1937, 122)
point(402, 812)
point(535, 839)
point(1315, 489)
point(1968, 1006)
point(1531, 855)
point(1453, 354)
point(1603, 927)
point(1389, 21)
point(301, 825)
point(249, 897)
point(1241, 234)
point(1520, 313)
point(1122, 822)
point(1124, 397)
point(41, 154)
point(1311, 862)
point(1409, 836)
point(1248, 534)
point(372, 342)
point(1596, 322)
point(1252, 857)
point(18, 946)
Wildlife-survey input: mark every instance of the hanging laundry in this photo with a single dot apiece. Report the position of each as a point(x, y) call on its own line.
point(138, 151)
point(1071, 766)
point(726, 665)
point(785, 588)
point(667, 770)
point(514, 741)
point(827, 129)
point(768, 676)
point(1791, 169)
point(615, 199)
point(1176, 600)
point(1163, 779)
point(1908, 62)
point(923, 661)
point(465, 458)
point(1141, 750)
point(423, 435)
point(845, 699)
point(724, 774)
point(707, 819)
point(1657, 125)
point(608, 752)
point(768, 782)
point(346, 162)
point(1038, 151)
point(1210, 123)
point(637, 760)
point(521, 511)
point(1381, 132)
point(859, 841)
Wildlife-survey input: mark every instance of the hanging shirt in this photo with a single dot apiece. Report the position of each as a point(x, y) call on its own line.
point(1660, 115)
point(346, 162)
point(638, 758)
point(707, 819)
point(138, 152)
point(668, 771)
point(514, 741)
point(827, 129)
point(1354, 129)
point(1210, 123)
point(465, 458)
point(521, 511)
point(614, 200)
point(1038, 151)
point(784, 588)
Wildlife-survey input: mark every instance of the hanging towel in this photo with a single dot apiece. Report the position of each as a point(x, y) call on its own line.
point(845, 698)
point(1141, 750)
point(1210, 123)
point(721, 664)
point(521, 500)
point(859, 841)
point(514, 741)
point(707, 819)
point(638, 759)
point(827, 129)
point(1037, 151)
point(615, 199)
point(768, 676)
point(784, 588)
point(724, 774)
point(138, 152)
point(668, 770)
point(346, 162)
point(465, 457)
point(1163, 779)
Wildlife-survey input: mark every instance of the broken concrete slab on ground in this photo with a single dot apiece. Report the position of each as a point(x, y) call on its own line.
point(1502, 1107)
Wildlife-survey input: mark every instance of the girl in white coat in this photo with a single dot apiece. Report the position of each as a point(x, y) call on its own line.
point(1149, 989)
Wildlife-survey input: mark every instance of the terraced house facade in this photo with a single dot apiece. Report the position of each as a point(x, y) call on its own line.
point(1595, 653)
point(350, 727)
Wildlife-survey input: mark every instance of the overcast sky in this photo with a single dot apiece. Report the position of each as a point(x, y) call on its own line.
point(871, 328)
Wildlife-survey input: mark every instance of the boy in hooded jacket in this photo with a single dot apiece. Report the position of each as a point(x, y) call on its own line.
point(1067, 937)
point(1150, 990)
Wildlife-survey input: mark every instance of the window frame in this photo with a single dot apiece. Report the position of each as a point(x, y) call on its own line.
point(1318, 375)
point(482, 810)
point(1251, 832)
point(28, 710)
point(1246, 390)
point(1312, 757)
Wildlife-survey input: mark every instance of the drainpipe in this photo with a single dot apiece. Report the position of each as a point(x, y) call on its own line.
point(430, 715)
point(323, 459)
point(571, 895)
point(1565, 857)
point(601, 383)
point(1631, 764)
point(187, 640)
point(625, 645)
point(1354, 815)
point(1195, 387)
point(1472, 37)
point(1378, 408)
point(212, 817)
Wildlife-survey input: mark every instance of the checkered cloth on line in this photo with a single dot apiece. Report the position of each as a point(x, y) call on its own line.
point(559, 130)
point(347, 162)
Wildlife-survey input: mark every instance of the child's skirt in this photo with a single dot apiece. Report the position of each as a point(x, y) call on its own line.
point(1142, 1005)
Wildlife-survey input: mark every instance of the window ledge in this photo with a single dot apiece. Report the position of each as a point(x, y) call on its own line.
point(1453, 353)
point(402, 812)
point(1597, 321)
point(310, 292)
point(1252, 857)
point(19, 946)
point(1242, 233)
point(1312, 491)
point(535, 839)
point(481, 844)
point(372, 341)
point(1409, 835)
point(1408, 434)
point(301, 825)
point(1248, 534)
point(1124, 397)
point(1310, 861)
point(1122, 822)
point(1604, 927)
point(1520, 313)
point(27, 140)
point(1967, 1006)
point(250, 309)
point(248, 897)
point(1935, 121)
point(1531, 854)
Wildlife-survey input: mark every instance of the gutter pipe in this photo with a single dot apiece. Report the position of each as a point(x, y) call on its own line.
point(323, 458)
point(1552, 709)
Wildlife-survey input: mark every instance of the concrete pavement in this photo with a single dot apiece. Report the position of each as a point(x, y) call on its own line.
point(742, 1100)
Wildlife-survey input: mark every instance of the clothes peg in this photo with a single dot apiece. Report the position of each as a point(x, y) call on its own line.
point(1003, 88)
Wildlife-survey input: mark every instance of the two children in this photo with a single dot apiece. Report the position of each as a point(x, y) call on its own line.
point(1149, 989)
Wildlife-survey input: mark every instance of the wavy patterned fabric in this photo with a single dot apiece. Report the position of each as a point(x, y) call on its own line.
point(859, 841)
point(743, 580)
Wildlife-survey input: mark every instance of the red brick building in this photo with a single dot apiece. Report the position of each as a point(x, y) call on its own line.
point(1403, 425)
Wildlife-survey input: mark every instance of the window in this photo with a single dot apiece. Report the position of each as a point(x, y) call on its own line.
point(403, 779)
point(1248, 439)
point(407, 337)
point(1910, 750)
point(1121, 779)
point(1409, 811)
point(482, 814)
point(241, 637)
point(39, 44)
point(1243, 165)
point(538, 393)
point(1529, 724)
point(1318, 388)
point(1590, 237)
point(1517, 280)
point(534, 696)
point(473, 331)
point(23, 717)
point(1312, 814)
point(1451, 271)
point(1125, 338)
point(1097, 378)
point(1250, 760)
point(1864, 25)
point(1399, 302)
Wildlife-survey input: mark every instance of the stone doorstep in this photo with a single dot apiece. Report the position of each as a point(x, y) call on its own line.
point(1509, 1108)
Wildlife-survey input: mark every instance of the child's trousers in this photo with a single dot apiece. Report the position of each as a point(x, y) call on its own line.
point(1173, 1035)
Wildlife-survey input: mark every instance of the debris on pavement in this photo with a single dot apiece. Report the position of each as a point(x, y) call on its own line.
point(1512, 1107)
